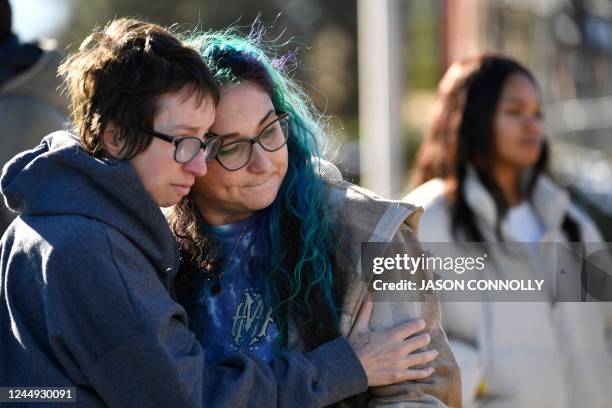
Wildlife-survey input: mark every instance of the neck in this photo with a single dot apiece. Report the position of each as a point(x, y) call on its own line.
point(507, 178)
point(215, 218)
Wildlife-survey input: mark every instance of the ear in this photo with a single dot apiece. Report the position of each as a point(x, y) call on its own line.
point(112, 143)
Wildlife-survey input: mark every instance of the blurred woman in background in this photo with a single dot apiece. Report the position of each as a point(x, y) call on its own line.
point(482, 177)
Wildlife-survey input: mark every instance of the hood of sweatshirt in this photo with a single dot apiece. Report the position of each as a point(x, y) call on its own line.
point(59, 178)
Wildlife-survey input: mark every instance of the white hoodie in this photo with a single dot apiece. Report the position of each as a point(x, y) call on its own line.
point(519, 354)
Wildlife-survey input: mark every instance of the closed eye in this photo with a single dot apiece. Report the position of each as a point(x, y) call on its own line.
point(268, 133)
point(224, 151)
point(232, 147)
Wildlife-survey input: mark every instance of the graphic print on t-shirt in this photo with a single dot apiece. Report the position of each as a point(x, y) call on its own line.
point(239, 316)
point(251, 320)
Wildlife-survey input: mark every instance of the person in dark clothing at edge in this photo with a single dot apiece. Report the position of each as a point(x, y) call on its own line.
point(31, 105)
point(86, 268)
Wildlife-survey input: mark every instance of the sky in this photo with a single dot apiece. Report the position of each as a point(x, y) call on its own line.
point(39, 18)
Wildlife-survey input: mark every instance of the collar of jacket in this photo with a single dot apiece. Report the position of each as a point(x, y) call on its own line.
point(357, 207)
point(550, 202)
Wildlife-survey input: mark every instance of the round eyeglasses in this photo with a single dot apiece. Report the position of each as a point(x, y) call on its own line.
point(235, 155)
point(187, 148)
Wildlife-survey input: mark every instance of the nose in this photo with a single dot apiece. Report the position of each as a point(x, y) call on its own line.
point(534, 124)
point(260, 160)
point(197, 166)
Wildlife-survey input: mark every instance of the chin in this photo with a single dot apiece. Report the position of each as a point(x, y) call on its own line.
point(527, 158)
point(529, 161)
point(168, 202)
point(263, 202)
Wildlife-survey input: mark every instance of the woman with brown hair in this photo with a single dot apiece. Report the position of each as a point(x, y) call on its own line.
point(481, 177)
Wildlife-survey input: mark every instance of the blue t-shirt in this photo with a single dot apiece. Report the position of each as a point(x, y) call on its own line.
point(239, 318)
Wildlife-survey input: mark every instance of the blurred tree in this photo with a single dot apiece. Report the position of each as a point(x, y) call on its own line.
point(323, 32)
point(423, 35)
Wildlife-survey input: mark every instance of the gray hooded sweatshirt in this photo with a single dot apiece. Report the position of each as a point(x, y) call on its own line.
point(84, 299)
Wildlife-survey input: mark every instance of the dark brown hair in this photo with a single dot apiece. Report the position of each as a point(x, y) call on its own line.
point(461, 134)
point(118, 75)
point(437, 154)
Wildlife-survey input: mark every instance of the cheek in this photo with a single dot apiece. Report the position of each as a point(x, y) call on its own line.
point(505, 128)
point(216, 183)
point(282, 161)
point(156, 176)
point(152, 170)
point(507, 135)
point(205, 187)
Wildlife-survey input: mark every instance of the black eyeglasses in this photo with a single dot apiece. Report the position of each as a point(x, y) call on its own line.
point(235, 155)
point(187, 148)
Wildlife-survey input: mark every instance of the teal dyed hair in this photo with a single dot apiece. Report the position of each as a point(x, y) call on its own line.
point(300, 278)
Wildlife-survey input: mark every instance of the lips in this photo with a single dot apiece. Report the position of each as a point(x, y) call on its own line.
point(259, 184)
point(530, 141)
point(182, 189)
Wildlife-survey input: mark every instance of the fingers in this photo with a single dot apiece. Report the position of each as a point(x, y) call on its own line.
point(362, 324)
point(419, 374)
point(408, 329)
point(415, 343)
point(409, 374)
point(423, 357)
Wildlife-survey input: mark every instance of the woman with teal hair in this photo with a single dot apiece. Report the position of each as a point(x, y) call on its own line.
point(271, 238)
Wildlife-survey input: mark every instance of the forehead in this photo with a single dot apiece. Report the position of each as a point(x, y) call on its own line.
point(187, 105)
point(519, 86)
point(187, 97)
point(241, 103)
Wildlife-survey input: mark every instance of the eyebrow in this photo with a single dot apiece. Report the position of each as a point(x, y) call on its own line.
point(261, 122)
point(514, 99)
